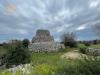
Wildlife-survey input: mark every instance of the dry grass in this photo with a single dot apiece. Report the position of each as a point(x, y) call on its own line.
point(73, 55)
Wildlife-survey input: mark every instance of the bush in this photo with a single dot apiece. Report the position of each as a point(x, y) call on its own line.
point(25, 43)
point(16, 55)
point(95, 42)
point(90, 66)
point(69, 40)
point(71, 44)
point(83, 50)
point(87, 44)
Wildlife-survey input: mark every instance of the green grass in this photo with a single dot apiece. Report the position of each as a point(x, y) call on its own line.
point(91, 46)
point(39, 58)
point(2, 50)
point(95, 46)
point(46, 63)
point(81, 45)
point(53, 64)
point(49, 58)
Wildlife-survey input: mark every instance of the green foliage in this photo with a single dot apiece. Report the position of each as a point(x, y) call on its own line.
point(71, 44)
point(17, 54)
point(95, 42)
point(95, 46)
point(81, 45)
point(5, 73)
point(90, 66)
point(81, 68)
point(52, 64)
point(69, 40)
point(42, 58)
point(87, 44)
point(2, 51)
point(19, 72)
point(25, 43)
point(44, 69)
point(83, 50)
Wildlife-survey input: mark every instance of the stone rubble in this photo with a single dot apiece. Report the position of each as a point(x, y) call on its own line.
point(25, 69)
point(93, 51)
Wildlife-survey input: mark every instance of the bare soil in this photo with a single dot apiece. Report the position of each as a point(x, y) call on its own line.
point(73, 55)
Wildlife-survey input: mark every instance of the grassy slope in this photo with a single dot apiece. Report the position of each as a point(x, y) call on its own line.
point(48, 63)
point(44, 63)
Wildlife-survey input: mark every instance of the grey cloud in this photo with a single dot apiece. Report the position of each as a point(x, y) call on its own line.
point(56, 15)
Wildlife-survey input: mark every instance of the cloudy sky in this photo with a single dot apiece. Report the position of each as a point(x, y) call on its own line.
point(21, 18)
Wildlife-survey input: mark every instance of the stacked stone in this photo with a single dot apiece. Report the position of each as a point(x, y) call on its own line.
point(46, 47)
point(42, 36)
point(93, 51)
point(44, 42)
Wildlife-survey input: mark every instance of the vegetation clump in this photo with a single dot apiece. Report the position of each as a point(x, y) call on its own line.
point(69, 40)
point(16, 54)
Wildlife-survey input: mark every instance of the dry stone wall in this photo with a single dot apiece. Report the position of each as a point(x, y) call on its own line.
point(93, 51)
point(46, 47)
point(44, 42)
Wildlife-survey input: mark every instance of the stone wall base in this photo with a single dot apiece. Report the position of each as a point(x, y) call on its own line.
point(46, 47)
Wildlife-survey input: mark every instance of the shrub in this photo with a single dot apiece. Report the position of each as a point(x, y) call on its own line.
point(25, 43)
point(90, 66)
point(87, 44)
point(83, 50)
point(16, 55)
point(69, 39)
point(95, 42)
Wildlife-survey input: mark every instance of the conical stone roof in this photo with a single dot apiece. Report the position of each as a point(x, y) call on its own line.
point(42, 36)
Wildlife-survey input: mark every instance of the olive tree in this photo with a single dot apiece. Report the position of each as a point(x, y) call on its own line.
point(16, 54)
point(69, 39)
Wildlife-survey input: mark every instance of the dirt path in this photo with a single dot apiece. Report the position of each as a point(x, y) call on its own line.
point(73, 55)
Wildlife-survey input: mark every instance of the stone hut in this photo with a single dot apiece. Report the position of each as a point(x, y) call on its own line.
point(42, 36)
point(44, 42)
